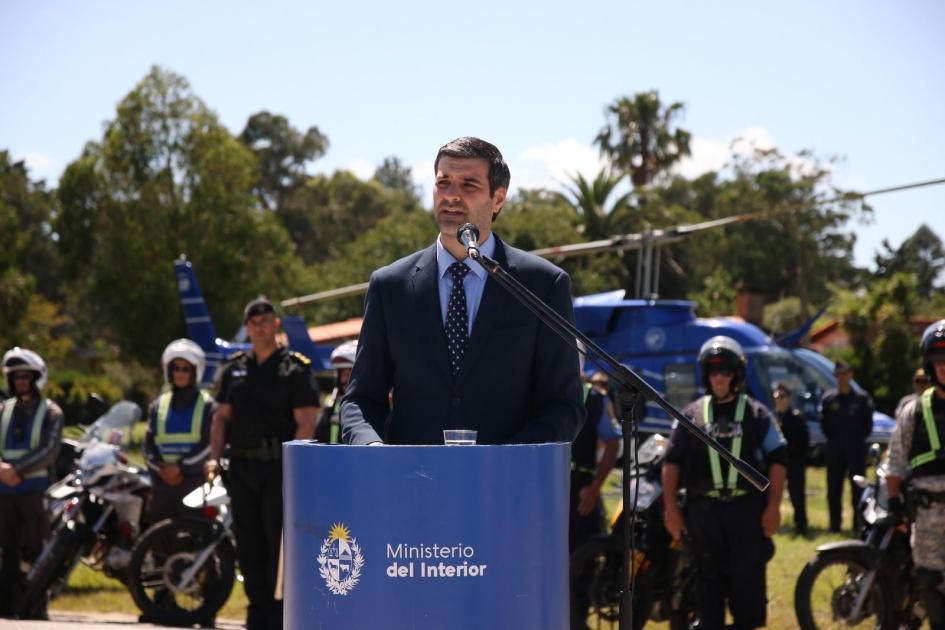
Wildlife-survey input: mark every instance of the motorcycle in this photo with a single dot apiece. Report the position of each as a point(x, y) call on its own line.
point(663, 576)
point(182, 570)
point(96, 510)
point(866, 582)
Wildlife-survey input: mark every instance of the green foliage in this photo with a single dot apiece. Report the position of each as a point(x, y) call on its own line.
point(72, 388)
point(282, 153)
point(330, 211)
point(393, 175)
point(166, 178)
point(922, 255)
point(717, 294)
point(783, 315)
point(640, 137)
point(798, 247)
point(883, 351)
point(394, 236)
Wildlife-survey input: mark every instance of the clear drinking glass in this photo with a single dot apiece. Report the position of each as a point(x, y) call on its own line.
point(459, 437)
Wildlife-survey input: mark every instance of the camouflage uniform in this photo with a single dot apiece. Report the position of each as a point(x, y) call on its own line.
point(928, 540)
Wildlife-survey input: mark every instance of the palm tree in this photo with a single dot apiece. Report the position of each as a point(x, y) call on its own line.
point(641, 138)
point(591, 200)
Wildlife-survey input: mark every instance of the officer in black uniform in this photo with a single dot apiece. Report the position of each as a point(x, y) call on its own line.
point(793, 426)
point(729, 522)
point(265, 396)
point(846, 416)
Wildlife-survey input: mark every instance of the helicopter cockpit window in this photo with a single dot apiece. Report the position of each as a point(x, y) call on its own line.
point(805, 383)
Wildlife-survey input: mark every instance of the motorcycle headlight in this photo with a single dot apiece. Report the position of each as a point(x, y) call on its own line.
point(644, 493)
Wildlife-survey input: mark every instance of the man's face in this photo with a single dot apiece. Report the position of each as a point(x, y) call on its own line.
point(182, 373)
point(23, 382)
point(921, 383)
point(461, 195)
point(344, 375)
point(844, 376)
point(721, 382)
point(939, 366)
point(262, 328)
point(782, 400)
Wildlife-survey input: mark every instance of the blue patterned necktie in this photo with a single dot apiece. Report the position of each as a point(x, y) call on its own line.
point(457, 323)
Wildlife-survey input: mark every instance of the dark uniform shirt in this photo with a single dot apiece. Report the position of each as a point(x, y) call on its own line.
point(794, 428)
point(264, 396)
point(762, 444)
point(846, 418)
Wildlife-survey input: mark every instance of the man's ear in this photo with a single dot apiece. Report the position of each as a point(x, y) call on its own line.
point(498, 201)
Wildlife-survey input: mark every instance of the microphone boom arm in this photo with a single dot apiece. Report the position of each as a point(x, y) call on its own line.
point(619, 372)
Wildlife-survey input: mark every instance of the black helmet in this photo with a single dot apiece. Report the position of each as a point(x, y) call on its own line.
point(933, 347)
point(724, 353)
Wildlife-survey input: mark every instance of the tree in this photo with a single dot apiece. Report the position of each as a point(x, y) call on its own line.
point(167, 178)
point(393, 175)
point(329, 211)
point(798, 249)
point(922, 254)
point(282, 153)
point(592, 201)
point(884, 350)
point(641, 138)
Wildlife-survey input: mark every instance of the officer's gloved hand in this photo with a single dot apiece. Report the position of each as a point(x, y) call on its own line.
point(897, 508)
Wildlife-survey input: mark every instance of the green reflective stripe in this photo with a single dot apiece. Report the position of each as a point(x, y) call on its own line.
point(587, 391)
point(161, 435)
point(36, 433)
point(714, 464)
point(934, 444)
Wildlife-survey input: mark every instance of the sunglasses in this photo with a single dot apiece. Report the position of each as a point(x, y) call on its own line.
point(22, 376)
point(922, 381)
point(720, 372)
point(181, 368)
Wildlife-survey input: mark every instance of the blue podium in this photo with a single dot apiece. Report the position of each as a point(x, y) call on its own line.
point(431, 537)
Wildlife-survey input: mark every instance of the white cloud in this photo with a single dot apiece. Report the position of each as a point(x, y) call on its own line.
point(361, 168)
point(551, 165)
point(40, 167)
point(712, 154)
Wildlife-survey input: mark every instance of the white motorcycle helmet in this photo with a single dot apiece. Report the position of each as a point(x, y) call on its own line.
point(343, 356)
point(20, 359)
point(188, 351)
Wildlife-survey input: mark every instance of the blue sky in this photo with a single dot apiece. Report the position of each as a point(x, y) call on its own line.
point(864, 80)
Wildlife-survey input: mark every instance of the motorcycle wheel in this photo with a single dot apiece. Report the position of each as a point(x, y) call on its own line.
point(161, 556)
point(827, 588)
point(55, 559)
point(596, 583)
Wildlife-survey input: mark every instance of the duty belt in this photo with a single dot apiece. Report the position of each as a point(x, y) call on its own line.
point(269, 449)
point(582, 469)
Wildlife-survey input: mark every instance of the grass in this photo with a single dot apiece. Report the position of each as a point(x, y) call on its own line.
point(90, 591)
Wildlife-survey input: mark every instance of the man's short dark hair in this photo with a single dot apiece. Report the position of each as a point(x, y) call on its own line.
point(469, 147)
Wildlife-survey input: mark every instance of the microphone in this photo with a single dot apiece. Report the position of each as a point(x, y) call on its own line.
point(468, 236)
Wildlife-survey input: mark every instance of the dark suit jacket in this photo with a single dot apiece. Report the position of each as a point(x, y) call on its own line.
point(519, 381)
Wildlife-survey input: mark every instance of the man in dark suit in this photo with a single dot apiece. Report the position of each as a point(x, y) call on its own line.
point(443, 346)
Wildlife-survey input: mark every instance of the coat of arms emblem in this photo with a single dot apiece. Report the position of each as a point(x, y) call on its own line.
point(340, 560)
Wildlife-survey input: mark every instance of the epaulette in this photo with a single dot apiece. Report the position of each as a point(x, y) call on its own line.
point(239, 354)
point(301, 358)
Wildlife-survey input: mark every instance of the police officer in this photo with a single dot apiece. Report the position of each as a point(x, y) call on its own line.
point(729, 523)
point(265, 396)
point(916, 454)
point(30, 438)
point(793, 426)
point(846, 416)
point(177, 443)
point(328, 429)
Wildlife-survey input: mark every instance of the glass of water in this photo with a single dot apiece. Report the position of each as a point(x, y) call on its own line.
point(459, 437)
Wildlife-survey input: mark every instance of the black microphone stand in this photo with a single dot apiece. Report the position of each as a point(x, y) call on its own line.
point(635, 388)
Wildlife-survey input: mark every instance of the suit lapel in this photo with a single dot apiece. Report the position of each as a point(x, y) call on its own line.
point(495, 301)
point(425, 300)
